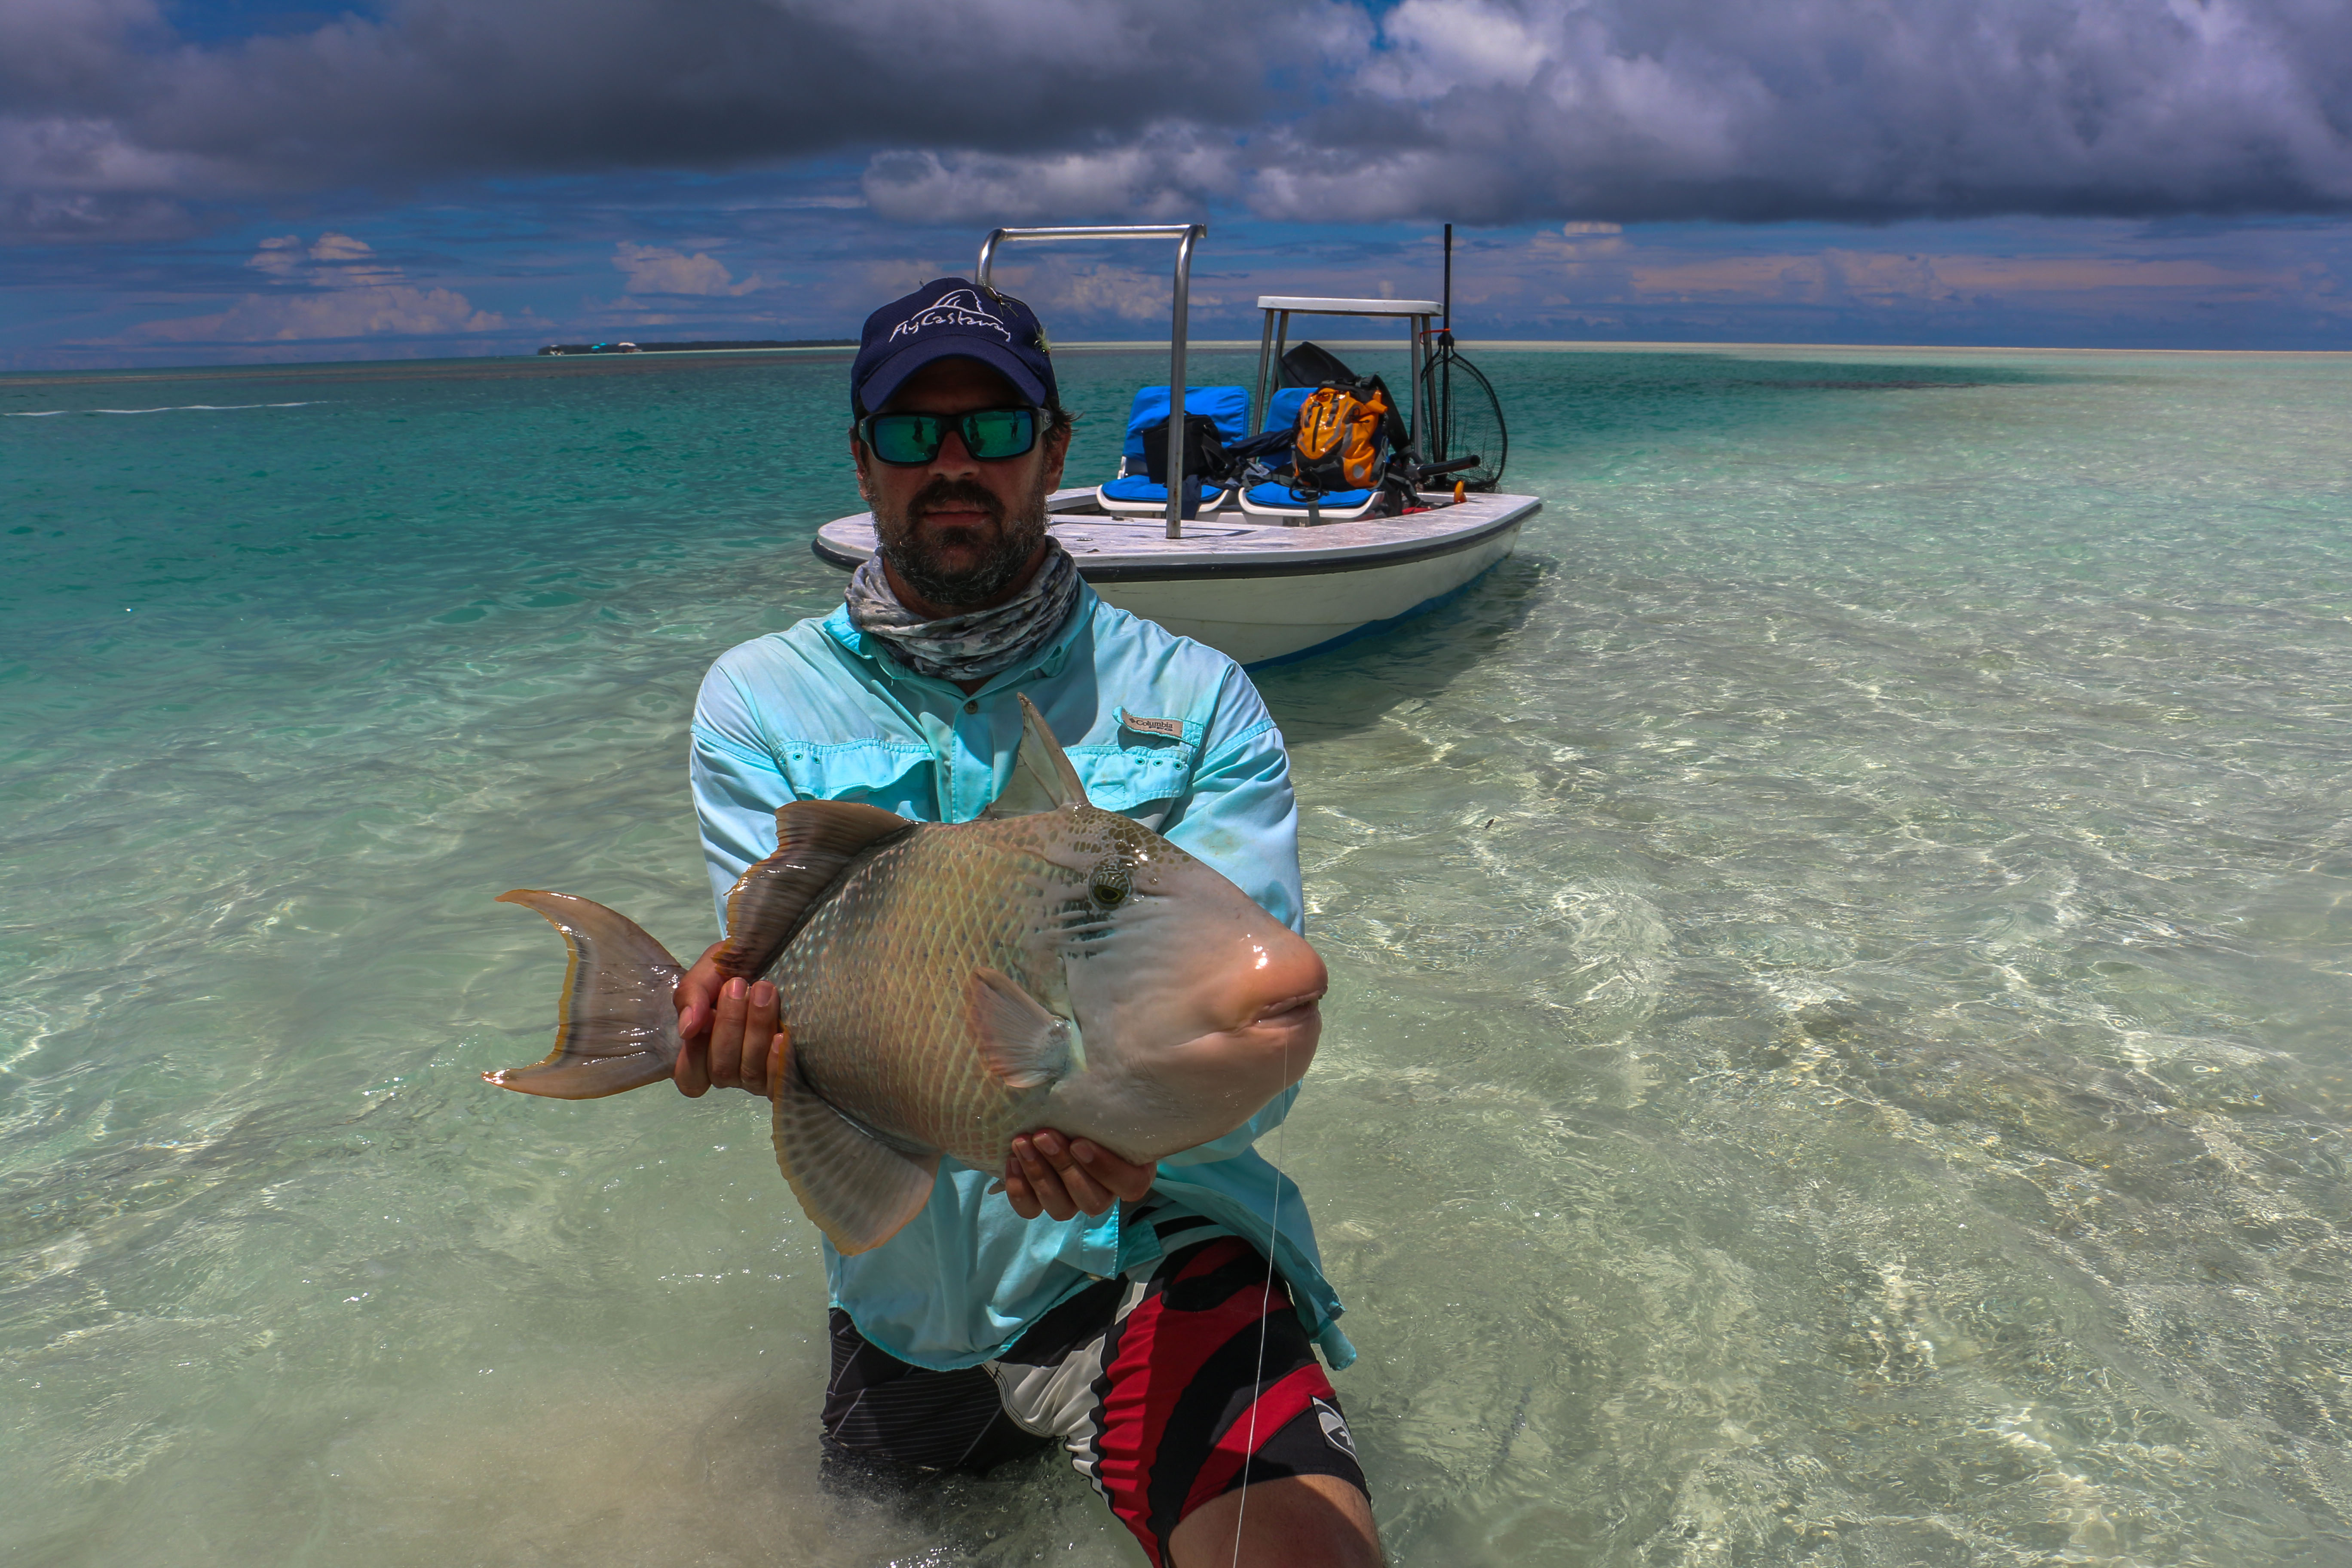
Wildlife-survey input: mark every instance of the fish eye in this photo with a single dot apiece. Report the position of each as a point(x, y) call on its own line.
point(1109, 885)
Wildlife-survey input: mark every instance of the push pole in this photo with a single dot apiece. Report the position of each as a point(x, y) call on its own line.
point(1178, 328)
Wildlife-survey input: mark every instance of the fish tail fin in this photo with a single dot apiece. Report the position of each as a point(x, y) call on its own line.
point(860, 1190)
point(616, 1025)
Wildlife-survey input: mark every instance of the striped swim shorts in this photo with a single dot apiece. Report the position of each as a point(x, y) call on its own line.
point(1153, 1381)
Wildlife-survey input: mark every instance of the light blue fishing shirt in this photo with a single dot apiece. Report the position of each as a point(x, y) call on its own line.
point(1159, 727)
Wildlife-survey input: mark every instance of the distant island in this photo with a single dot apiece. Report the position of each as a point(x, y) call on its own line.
point(698, 346)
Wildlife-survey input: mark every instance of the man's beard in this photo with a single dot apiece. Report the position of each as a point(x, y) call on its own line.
point(915, 560)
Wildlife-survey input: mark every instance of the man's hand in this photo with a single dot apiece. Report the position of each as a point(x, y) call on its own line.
point(729, 1029)
point(1049, 1174)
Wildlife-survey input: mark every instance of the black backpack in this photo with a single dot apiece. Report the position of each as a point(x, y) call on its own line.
point(1204, 450)
point(1312, 365)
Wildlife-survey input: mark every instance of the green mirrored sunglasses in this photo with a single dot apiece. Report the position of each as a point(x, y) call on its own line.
point(990, 435)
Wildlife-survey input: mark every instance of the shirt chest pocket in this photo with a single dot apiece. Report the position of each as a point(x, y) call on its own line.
point(1135, 781)
point(894, 775)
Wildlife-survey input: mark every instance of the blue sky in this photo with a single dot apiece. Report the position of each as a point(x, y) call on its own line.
point(241, 181)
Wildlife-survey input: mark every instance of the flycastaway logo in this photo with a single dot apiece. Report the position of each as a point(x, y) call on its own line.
point(960, 307)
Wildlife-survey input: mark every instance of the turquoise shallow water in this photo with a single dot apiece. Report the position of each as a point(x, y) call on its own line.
point(1839, 1041)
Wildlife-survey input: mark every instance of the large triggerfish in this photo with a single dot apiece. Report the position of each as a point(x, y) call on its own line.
point(947, 986)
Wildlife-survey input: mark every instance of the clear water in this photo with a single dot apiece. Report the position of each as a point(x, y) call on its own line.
point(1839, 1041)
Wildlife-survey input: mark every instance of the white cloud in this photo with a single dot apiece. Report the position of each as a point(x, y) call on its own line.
point(1169, 175)
point(332, 261)
point(1438, 46)
point(377, 311)
point(336, 286)
point(1057, 285)
point(652, 269)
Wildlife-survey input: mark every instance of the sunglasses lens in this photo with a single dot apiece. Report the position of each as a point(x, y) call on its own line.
point(990, 435)
point(1000, 432)
point(904, 438)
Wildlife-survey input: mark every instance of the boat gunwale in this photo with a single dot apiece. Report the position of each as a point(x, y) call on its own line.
point(1307, 558)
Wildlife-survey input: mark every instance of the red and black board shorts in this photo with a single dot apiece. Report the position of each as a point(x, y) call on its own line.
point(1170, 1386)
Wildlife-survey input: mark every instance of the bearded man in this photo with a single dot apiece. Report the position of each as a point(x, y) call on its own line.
point(1127, 1311)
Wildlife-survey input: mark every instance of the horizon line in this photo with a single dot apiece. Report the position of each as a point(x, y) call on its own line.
point(573, 363)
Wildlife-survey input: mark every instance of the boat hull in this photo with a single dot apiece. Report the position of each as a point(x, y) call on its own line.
point(1263, 593)
point(1258, 620)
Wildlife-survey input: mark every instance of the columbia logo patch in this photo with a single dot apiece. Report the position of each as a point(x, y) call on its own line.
point(1171, 728)
point(1334, 1428)
point(960, 307)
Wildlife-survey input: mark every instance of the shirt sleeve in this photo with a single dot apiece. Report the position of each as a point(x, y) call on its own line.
point(737, 781)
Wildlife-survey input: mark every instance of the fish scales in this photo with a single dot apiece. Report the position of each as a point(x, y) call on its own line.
point(873, 989)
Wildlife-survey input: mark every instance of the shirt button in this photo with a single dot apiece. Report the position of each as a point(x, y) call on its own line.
point(971, 706)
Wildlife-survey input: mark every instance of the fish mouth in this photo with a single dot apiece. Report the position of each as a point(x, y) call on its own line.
point(1293, 1025)
point(1281, 1012)
point(1290, 1030)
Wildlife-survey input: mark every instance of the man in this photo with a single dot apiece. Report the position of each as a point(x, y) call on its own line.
point(1126, 1311)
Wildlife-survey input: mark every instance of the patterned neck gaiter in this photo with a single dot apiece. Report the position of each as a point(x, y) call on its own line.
point(976, 644)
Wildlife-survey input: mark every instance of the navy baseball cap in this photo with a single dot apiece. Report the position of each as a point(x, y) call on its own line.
point(946, 319)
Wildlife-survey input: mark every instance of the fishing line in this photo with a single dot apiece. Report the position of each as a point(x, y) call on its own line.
point(1264, 1300)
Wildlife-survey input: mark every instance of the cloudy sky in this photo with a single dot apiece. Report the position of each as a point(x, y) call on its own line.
point(222, 180)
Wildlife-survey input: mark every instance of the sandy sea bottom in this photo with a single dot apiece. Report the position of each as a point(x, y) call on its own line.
point(1838, 1043)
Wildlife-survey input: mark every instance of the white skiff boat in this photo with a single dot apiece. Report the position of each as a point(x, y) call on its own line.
point(1260, 589)
point(1258, 592)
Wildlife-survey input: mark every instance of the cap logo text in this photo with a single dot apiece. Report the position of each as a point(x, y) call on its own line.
point(958, 308)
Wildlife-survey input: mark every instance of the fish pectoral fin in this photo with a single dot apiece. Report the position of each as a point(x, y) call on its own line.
point(1024, 1045)
point(1043, 778)
point(616, 1025)
point(857, 1189)
point(816, 841)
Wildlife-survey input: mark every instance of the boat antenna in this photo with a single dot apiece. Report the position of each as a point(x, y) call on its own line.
point(1449, 277)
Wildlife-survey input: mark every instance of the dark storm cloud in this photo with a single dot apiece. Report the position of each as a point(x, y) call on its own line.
point(436, 89)
point(1844, 109)
point(1478, 109)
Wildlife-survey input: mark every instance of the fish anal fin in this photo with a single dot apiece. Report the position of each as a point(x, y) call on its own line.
point(1024, 1045)
point(616, 1025)
point(816, 841)
point(856, 1188)
point(1043, 778)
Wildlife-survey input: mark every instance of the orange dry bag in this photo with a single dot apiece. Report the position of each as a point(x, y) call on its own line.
point(1339, 439)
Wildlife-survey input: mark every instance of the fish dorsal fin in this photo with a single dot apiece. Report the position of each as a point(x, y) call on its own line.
point(1042, 779)
point(816, 841)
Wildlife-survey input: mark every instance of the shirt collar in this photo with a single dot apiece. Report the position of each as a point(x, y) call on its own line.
point(1050, 663)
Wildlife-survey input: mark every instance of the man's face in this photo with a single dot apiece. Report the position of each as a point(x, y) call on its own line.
point(959, 531)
